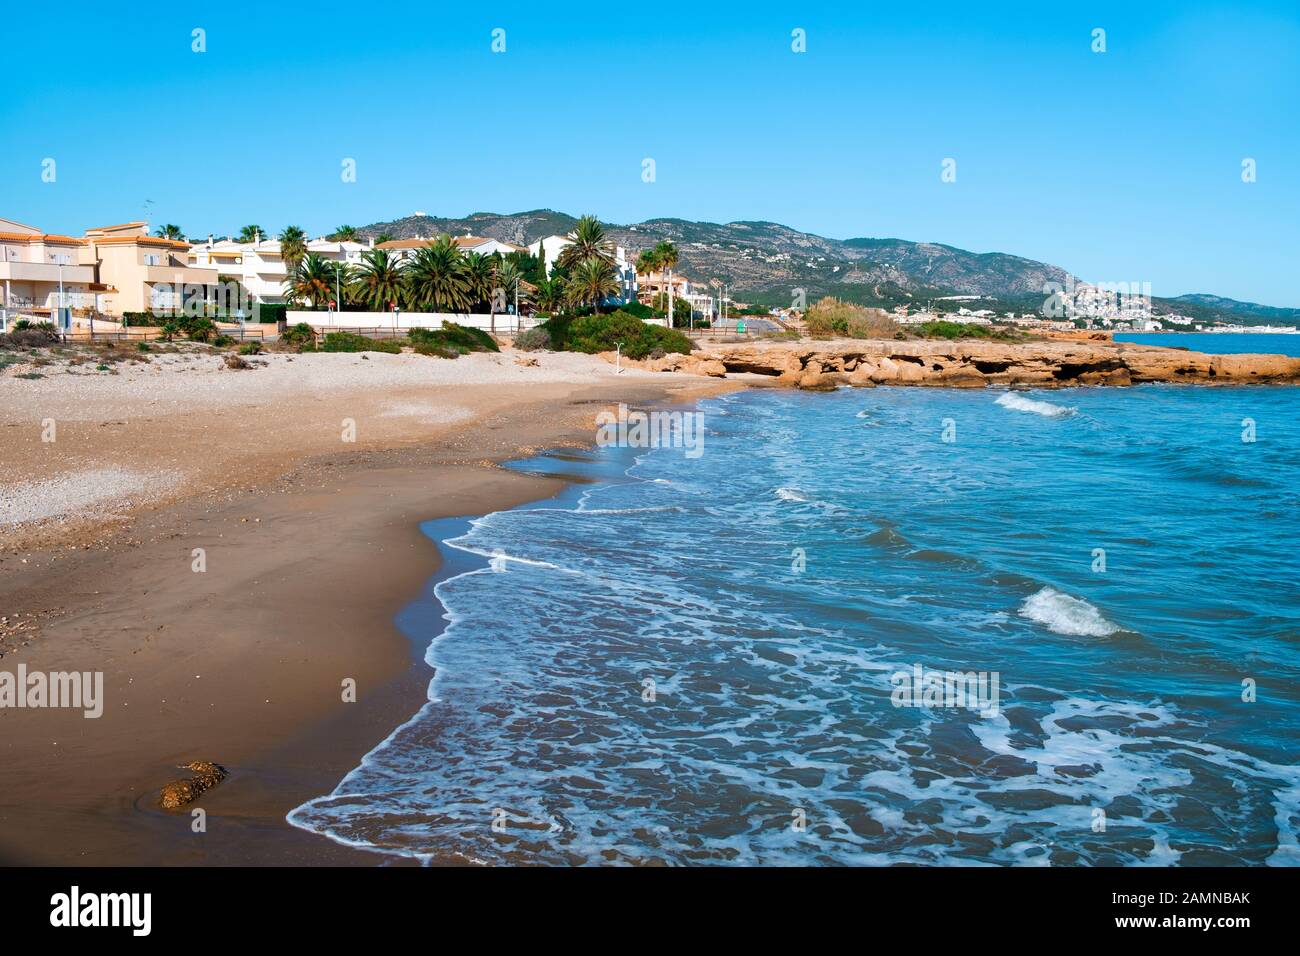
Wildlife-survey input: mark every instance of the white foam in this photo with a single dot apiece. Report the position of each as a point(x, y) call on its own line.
point(1066, 615)
point(1019, 403)
point(790, 494)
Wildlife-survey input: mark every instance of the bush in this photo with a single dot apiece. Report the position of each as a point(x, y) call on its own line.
point(452, 337)
point(944, 329)
point(533, 340)
point(352, 342)
point(251, 348)
point(831, 317)
point(639, 310)
point(299, 336)
point(139, 319)
point(602, 333)
point(432, 348)
point(198, 330)
point(271, 312)
point(474, 340)
point(222, 340)
point(142, 346)
point(30, 337)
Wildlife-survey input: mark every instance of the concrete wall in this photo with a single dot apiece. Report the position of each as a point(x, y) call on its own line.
point(406, 320)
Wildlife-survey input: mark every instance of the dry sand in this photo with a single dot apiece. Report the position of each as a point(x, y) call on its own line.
point(311, 545)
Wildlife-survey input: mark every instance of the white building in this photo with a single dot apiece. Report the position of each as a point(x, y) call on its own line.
point(550, 247)
point(259, 266)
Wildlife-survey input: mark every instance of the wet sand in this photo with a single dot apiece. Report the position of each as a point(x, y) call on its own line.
point(244, 663)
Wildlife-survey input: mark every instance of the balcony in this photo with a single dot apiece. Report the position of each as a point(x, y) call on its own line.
point(44, 272)
point(181, 274)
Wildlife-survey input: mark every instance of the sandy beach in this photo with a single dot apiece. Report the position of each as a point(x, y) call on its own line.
point(310, 545)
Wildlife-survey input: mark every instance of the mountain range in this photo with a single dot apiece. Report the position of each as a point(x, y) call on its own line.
point(767, 263)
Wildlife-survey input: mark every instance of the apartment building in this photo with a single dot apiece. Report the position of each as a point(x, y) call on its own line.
point(36, 267)
point(144, 273)
point(260, 267)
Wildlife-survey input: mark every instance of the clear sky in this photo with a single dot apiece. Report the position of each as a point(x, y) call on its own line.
point(1120, 166)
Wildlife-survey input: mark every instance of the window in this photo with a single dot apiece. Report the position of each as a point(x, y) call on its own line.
point(152, 259)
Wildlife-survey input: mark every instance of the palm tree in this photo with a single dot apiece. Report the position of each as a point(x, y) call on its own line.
point(591, 282)
point(480, 274)
point(341, 280)
point(251, 234)
point(588, 242)
point(169, 231)
point(311, 280)
point(345, 234)
point(383, 237)
point(435, 278)
point(378, 280)
point(511, 278)
point(293, 247)
point(550, 293)
point(666, 255)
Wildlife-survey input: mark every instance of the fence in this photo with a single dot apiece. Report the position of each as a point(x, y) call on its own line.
point(398, 323)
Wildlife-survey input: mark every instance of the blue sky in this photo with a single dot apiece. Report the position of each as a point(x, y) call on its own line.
point(1120, 166)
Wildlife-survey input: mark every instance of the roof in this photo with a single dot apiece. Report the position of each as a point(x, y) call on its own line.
point(140, 240)
point(15, 222)
point(120, 225)
point(406, 244)
point(40, 237)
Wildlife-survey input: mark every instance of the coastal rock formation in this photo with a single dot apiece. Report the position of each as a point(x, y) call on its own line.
point(868, 362)
point(180, 792)
point(696, 363)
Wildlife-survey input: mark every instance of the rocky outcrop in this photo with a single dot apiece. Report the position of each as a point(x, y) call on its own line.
point(696, 363)
point(180, 792)
point(966, 364)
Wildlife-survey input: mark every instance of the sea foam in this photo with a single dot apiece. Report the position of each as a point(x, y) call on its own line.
point(1019, 403)
point(1066, 615)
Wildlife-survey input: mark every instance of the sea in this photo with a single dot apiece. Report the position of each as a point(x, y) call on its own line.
point(1220, 343)
point(747, 656)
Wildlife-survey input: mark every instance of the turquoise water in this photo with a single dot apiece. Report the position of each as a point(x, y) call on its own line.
point(1219, 343)
point(642, 670)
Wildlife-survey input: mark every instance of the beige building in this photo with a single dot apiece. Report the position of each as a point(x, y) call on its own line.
point(146, 273)
point(32, 264)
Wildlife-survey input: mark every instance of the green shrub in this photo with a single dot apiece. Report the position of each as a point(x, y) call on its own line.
point(271, 312)
point(638, 309)
point(472, 340)
point(533, 340)
point(944, 329)
point(457, 338)
point(299, 336)
point(222, 340)
point(142, 346)
point(352, 342)
point(138, 319)
point(432, 348)
point(602, 333)
point(251, 348)
point(831, 317)
point(199, 330)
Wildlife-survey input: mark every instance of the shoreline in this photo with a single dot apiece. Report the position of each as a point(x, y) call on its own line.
point(245, 670)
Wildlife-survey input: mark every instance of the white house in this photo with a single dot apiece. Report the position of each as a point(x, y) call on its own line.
point(259, 266)
point(550, 247)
